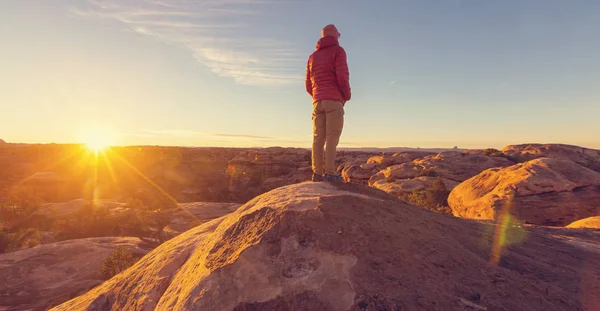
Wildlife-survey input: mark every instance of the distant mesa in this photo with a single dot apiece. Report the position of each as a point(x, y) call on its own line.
point(2, 142)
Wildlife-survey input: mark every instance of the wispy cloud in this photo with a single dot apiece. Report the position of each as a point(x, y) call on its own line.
point(210, 29)
point(245, 136)
point(172, 132)
point(179, 133)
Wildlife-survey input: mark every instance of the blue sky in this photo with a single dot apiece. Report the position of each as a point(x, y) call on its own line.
point(230, 72)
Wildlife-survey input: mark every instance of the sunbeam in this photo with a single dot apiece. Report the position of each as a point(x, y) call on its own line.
point(149, 181)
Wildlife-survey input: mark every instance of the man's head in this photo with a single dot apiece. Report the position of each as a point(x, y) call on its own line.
point(330, 31)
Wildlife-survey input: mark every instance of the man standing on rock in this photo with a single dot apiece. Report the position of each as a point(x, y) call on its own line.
point(328, 82)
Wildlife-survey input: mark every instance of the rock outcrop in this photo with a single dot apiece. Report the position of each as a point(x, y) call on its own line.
point(544, 191)
point(590, 222)
point(44, 276)
point(317, 246)
point(589, 158)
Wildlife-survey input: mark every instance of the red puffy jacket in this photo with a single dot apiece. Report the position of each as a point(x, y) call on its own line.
point(327, 75)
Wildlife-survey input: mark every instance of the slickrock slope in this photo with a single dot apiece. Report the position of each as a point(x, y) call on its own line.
point(44, 276)
point(316, 246)
point(544, 191)
point(589, 158)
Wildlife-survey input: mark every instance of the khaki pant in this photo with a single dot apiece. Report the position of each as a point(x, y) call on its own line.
point(328, 121)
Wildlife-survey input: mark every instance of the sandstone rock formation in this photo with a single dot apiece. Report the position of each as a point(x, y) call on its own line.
point(359, 173)
point(544, 191)
point(590, 222)
point(142, 286)
point(452, 166)
point(589, 158)
point(316, 246)
point(44, 276)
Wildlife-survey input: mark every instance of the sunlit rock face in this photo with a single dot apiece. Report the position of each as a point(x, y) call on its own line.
point(544, 191)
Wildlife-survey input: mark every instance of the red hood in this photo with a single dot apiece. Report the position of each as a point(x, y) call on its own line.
point(326, 42)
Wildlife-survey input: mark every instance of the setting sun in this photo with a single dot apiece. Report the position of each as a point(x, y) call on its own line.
point(98, 139)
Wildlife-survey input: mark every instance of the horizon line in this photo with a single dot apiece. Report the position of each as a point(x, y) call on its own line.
point(456, 147)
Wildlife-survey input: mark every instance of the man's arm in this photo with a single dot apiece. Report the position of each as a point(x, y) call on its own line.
point(307, 80)
point(343, 74)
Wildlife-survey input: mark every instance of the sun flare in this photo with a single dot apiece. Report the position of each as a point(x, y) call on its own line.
point(98, 139)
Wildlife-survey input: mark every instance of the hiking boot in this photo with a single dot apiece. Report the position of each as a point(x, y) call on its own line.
point(317, 177)
point(333, 178)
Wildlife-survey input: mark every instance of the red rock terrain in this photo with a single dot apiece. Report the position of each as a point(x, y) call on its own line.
point(316, 246)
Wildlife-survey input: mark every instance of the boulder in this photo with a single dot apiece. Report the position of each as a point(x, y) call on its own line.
point(544, 191)
point(587, 157)
point(359, 173)
point(347, 159)
point(318, 246)
point(41, 277)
